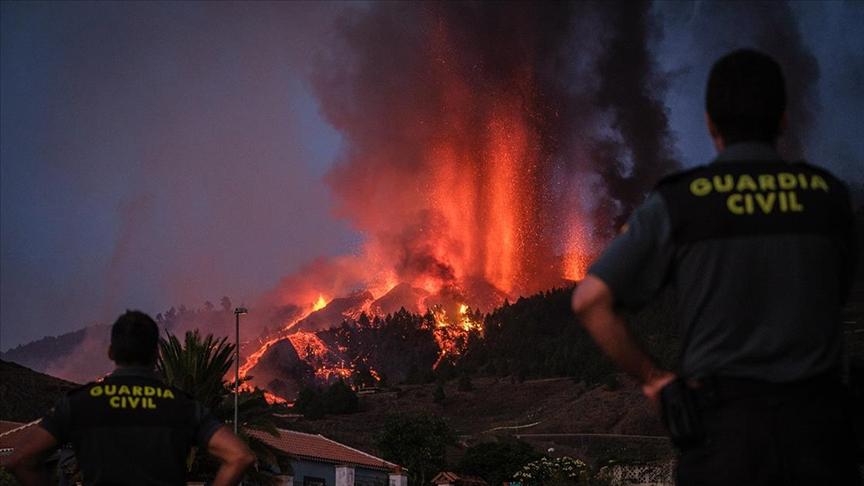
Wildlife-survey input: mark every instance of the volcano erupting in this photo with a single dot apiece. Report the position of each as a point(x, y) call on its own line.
point(489, 151)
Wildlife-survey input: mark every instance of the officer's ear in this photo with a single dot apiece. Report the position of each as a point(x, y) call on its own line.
point(110, 353)
point(719, 144)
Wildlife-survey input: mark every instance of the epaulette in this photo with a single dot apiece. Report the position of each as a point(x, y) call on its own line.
point(676, 176)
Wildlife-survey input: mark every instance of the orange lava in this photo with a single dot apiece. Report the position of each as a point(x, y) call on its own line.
point(273, 399)
point(319, 304)
point(474, 213)
point(578, 255)
point(452, 334)
point(313, 350)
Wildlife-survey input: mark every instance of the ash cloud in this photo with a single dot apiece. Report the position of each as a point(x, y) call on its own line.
point(573, 87)
point(702, 32)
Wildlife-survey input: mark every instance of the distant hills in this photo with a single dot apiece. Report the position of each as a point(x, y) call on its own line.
point(78, 356)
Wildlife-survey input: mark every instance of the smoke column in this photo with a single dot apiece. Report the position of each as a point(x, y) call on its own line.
point(772, 27)
point(485, 141)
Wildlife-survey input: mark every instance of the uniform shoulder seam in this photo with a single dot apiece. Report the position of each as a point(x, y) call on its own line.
point(815, 168)
point(676, 176)
point(80, 388)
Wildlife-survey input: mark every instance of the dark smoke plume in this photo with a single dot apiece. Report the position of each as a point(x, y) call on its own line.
point(773, 28)
point(424, 89)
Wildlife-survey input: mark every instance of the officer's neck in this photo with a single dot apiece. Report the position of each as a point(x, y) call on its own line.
point(134, 367)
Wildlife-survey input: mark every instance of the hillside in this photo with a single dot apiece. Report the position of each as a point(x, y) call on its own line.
point(554, 413)
point(27, 394)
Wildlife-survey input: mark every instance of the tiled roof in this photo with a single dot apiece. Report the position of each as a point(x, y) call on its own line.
point(320, 448)
point(11, 433)
point(295, 444)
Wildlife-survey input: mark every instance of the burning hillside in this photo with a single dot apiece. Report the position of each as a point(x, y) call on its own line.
point(479, 139)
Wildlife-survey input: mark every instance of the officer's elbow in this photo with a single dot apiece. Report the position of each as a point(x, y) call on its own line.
point(244, 459)
point(590, 295)
point(578, 302)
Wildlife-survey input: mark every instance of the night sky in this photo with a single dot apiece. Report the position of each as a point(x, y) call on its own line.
point(158, 154)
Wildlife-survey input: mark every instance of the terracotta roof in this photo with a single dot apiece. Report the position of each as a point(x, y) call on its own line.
point(322, 449)
point(11, 433)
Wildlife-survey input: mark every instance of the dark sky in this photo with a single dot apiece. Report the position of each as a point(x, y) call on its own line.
point(155, 154)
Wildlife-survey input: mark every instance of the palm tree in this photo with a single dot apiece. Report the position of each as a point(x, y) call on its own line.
point(198, 366)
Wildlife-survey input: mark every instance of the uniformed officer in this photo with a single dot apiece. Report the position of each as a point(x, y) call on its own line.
point(760, 254)
point(132, 428)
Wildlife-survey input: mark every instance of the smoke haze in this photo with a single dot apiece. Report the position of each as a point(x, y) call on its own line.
point(160, 154)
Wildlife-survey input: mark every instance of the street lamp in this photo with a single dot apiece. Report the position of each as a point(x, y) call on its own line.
point(237, 313)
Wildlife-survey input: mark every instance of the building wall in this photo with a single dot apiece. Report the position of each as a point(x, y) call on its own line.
point(327, 472)
point(302, 468)
point(368, 477)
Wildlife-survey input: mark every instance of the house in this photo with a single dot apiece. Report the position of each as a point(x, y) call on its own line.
point(315, 459)
point(447, 478)
point(11, 433)
point(319, 461)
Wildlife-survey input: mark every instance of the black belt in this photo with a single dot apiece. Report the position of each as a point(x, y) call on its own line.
point(715, 390)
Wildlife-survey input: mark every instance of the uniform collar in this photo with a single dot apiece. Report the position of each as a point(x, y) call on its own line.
point(749, 151)
point(136, 371)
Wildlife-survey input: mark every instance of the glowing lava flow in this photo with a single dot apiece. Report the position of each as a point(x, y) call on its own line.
point(273, 399)
point(319, 304)
point(452, 337)
point(253, 358)
point(312, 349)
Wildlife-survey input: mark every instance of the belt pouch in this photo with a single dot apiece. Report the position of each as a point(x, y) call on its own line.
point(681, 414)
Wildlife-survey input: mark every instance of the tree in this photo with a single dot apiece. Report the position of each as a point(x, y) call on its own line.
point(225, 303)
point(198, 367)
point(337, 399)
point(341, 399)
point(496, 462)
point(417, 442)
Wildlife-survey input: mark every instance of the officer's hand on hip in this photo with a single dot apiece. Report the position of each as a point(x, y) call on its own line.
point(651, 388)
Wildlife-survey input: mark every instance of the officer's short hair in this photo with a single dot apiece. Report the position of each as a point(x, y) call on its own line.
point(134, 339)
point(746, 97)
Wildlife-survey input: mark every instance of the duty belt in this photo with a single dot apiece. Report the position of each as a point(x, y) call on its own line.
point(716, 390)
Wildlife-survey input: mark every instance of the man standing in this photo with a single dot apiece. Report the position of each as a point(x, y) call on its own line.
point(131, 428)
point(760, 253)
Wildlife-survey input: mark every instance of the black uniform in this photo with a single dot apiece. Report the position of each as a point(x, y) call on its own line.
point(760, 253)
point(131, 428)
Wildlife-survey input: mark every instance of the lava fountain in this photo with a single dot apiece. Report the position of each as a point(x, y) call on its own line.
point(484, 157)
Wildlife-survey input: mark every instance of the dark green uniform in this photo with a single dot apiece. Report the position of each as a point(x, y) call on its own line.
point(760, 253)
point(131, 428)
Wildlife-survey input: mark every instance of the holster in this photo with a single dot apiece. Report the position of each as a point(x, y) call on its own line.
point(681, 414)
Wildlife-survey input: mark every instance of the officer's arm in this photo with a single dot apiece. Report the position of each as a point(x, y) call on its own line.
point(593, 304)
point(233, 453)
point(26, 463)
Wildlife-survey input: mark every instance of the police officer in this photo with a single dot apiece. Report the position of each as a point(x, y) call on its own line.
point(759, 252)
point(131, 428)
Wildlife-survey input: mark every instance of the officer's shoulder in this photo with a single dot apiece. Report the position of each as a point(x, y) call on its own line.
point(827, 174)
point(81, 388)
point(679, 176)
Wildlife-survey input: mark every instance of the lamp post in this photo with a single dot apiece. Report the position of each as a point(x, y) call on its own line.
point(237, 313)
